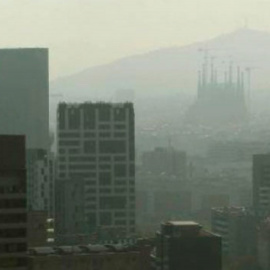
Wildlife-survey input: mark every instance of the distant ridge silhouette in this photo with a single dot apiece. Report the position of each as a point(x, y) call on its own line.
point(171, 70)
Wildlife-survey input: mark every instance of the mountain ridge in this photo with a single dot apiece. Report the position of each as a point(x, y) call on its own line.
point(171, 69)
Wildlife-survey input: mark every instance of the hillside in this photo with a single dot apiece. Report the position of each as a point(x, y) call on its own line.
point(170, 70)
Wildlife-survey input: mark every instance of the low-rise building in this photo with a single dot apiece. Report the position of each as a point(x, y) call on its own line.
point(88, 257)
point(185, 245)
point(237, 227)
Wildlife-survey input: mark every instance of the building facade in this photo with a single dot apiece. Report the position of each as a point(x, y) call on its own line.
point(237, 226)
point(167, 161)
point(13, 208)
point(185, 245)
point(96, 147)
point(24, 107)
point(261, 185)
point(263, 244)
point(37, 228)
point(91, 257)
point(160, 197)
point(41, 181)
point(25, 95)
point(70, 209)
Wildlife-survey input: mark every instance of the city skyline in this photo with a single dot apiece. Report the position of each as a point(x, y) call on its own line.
point(90, 171)
point(83, 29)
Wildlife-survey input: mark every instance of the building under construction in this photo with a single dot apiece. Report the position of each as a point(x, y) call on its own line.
point(220, 101)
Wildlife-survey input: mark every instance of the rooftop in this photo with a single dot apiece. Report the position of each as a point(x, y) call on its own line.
point(232, 211)
point(185, 228)
point(99, 104)
point(81, 249)
point(182, 223)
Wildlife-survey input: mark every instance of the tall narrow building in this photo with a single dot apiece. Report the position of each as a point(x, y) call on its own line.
point(24, 89)
point(96, 145)
point(261, 184)
point(24, 110)
point(13, 213)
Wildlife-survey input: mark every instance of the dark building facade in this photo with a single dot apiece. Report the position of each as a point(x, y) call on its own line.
point(24, 92)
point(41, 181)
point(13, 208)
point(261, 184)
point(37, 228)
point(86, 257)
point(237, 226)
point(96, 146)
point(70, 209)
point(185, 245)
point(263, 244)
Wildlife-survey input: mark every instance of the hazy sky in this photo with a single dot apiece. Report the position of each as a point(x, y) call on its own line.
point(84, 33)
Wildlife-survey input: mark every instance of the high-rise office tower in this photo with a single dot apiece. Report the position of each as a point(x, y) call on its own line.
point(261, 184)
point(96, 145)
point(185, 245)
point(24, 89)
point(13, 215)
point(24, 110)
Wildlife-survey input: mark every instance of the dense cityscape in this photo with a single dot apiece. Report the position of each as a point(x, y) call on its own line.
point(81, 197)
point(155, 161)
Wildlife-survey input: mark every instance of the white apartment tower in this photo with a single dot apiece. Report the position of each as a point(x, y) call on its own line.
point(96, 145)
